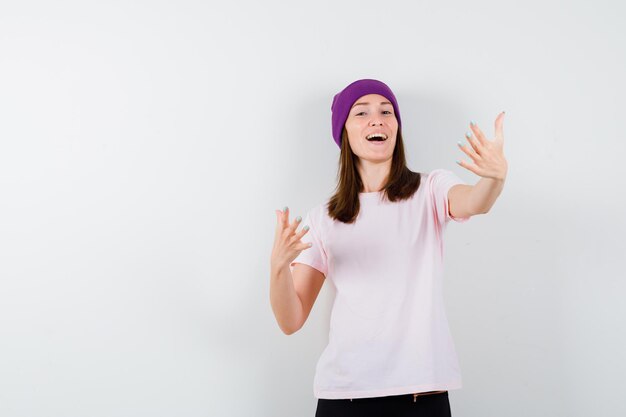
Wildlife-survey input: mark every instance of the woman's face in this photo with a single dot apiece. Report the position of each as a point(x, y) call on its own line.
point(369, 114)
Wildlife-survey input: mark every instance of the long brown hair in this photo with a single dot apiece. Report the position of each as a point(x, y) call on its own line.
point(401, 184)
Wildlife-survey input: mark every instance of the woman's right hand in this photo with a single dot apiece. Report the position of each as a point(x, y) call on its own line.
point(287, 244)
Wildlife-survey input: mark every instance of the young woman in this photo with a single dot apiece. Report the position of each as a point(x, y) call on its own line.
point(379, 241)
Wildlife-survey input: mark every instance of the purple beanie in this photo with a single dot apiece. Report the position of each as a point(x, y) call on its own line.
point(343, 101)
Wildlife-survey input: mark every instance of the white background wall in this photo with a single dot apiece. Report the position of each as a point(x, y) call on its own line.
point(145, 145)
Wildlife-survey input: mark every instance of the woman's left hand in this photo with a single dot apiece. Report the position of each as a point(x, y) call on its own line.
point(488, 156)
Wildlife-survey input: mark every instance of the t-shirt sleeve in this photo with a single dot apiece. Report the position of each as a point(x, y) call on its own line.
point(315, 256)
point(440, 182)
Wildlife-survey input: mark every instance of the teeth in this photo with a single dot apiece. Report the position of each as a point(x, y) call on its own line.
point(380, 135)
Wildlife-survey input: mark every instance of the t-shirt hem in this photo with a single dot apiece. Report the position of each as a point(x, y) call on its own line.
point(449, 216)
point(315, 265)
point(409, 389)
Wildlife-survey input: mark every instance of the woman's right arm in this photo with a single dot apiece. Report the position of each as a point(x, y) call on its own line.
point(286, 304)
point(291, 295)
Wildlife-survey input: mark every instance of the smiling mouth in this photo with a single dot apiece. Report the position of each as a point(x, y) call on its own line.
point(376, 137)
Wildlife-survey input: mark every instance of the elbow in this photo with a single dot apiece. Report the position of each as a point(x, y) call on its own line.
point(290, 330)
point(480, 210)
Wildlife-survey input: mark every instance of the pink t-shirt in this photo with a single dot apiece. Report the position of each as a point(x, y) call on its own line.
point(389, 333)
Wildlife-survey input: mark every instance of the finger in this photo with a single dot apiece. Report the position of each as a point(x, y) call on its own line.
point(284, 216)
point(499, 127)
point(304, 246)
point(478, 134)
point(295, 223)
point(469, 151)
point(300, 246)
point(471, 167)
point(295, 239)
point(473, 142)
point(277, 219)
point(279, 222)
point(302, 232)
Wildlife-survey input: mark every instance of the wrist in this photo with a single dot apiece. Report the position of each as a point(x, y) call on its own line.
point(276, 265)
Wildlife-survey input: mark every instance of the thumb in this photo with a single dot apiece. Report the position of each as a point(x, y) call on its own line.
point(277, 228)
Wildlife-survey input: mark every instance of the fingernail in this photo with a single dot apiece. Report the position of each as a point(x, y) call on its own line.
point(298, 218)
point(468, 134)
point(310, 244)
point(460, 144)
point(306, 227)
point(472, 123)
point(458, 162)
point(285, 209)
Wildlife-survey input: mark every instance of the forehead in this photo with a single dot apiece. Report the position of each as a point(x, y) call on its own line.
point(370, 99)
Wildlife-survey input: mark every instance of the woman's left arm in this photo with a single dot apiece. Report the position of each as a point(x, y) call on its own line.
point(488, 163)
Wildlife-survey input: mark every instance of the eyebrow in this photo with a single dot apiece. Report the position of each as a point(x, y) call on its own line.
point(365, 102)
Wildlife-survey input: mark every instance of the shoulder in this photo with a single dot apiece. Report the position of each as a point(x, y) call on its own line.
point(441, 175)
point(439, 172)
point(318, 212)
point(317, 209)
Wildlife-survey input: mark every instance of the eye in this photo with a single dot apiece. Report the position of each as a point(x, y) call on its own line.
point(384, 111)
